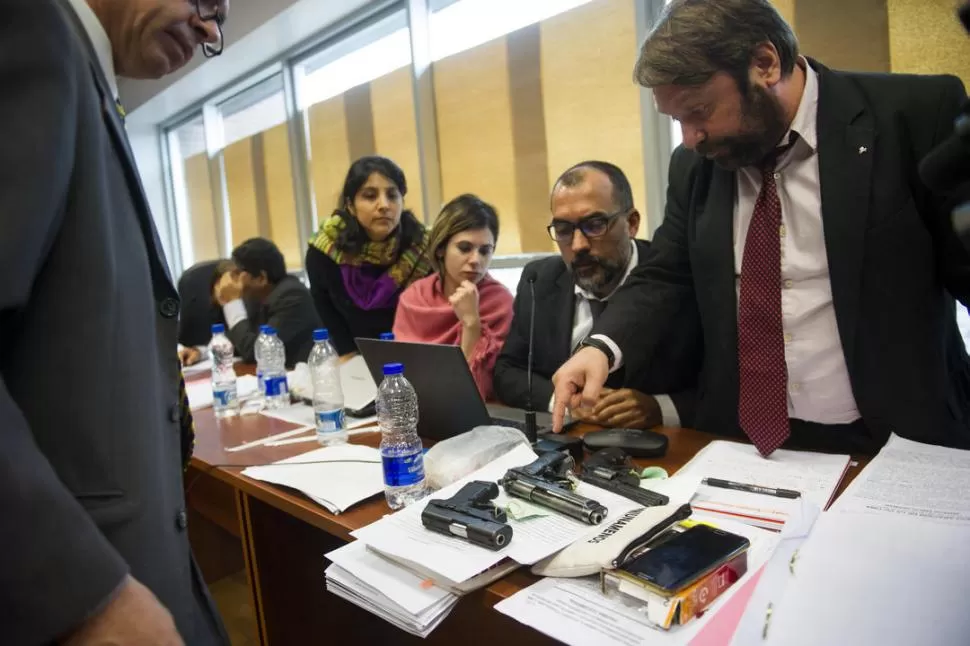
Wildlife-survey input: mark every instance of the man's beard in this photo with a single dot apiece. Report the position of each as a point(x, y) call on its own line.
point(601, 280)
point(763, 124)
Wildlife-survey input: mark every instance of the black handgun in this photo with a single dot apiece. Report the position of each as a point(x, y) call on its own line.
point(470, 514)
point(546, 482)
point(612, 469)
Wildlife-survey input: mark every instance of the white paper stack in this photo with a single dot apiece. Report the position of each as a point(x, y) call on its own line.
point(302, 415)
point(396, 555)
point(888, 564)
point(335, 476)
point(387, 590)
point(575, 611)
point(402, 535)
point(815, 476)
point(355, 380)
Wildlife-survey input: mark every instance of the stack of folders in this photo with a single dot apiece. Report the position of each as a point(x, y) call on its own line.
point(412, 577)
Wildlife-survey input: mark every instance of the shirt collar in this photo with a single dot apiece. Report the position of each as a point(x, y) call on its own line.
point(806, 118)
point(99, 39)
point(634, 261)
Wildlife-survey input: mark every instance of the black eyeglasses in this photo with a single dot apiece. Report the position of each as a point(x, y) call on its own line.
point(212, 11)
point(592, 226)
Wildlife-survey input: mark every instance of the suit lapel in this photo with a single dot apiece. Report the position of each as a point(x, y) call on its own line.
point(116, 128)
point(714, 275)
point(846, 145)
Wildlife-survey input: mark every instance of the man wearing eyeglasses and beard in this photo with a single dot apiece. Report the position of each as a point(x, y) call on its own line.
point(594, 223)
point(94, 435)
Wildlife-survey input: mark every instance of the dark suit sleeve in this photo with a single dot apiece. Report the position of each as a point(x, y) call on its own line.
point(288, 314)
point(658, 292)
point(685, 402)
point(58, 567)
point(952, 257)
point(510, 380)
point(340, 334)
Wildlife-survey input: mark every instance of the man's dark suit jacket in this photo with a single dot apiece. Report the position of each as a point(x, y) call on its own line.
point(90, 458)
point(894, 263)
point(290, 310)
point(674, 374)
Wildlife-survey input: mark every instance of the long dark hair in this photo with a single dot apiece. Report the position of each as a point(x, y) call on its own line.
point(352, 239)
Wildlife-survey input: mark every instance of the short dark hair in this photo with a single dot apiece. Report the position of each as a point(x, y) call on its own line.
point(353, 237)
point(258, 255)
point(694, 39)
point(464, 213)
point(622, 193)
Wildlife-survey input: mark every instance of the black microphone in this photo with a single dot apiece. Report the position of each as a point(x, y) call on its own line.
point(531, 429)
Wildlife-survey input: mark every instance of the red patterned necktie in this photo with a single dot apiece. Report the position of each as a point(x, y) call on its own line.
point(763, 403)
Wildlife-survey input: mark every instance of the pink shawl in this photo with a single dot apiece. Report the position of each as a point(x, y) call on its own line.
point(424, 315)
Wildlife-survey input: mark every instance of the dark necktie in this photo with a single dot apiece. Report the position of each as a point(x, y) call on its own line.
point(596, 307)
point(763, 402)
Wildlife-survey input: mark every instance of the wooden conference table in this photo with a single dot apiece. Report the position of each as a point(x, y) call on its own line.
point(279, 537)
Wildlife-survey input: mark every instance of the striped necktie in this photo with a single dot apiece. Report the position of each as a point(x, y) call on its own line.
point(186, 424)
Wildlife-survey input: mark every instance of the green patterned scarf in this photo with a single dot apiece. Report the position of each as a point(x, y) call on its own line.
point(403, 269)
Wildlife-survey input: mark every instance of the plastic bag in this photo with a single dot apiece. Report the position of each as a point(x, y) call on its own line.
point(450, 460)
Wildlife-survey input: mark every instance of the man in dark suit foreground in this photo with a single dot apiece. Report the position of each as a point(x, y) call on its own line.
point(822, 269)
point(93, 527)
point(594, 223)
point(283, 302)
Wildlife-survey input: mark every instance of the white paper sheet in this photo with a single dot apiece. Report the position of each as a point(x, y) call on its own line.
point(875, 579)
point(347, 586)
point(355, 380)
point(331, 480)
point(815, 475)
point(403, 535)
point(402, 587)
point(913, 479)
point(302, 414)
point(200, 392)
point(777, 575)
point(575, 612)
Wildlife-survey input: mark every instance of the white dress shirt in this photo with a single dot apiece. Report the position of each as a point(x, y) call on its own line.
point(99, 39)
point(583, 324)
point(818, 379)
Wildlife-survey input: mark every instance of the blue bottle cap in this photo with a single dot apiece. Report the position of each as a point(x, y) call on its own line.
point(387, 336)
point(393, 369)
point(321, 335)
point(218, 328)
point(270, 330)
point(264, 329)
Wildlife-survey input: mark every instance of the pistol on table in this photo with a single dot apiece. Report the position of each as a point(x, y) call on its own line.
point(470, 514)
point(547, 482)
point(612, 469)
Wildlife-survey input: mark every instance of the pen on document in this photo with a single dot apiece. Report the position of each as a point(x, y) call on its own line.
point(750, 488)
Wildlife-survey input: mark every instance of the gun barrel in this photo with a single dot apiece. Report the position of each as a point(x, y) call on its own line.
point(565, 502)
point(485, 533)
point(638, 495)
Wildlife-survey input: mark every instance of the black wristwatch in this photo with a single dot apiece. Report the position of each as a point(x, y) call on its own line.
point(600, 345)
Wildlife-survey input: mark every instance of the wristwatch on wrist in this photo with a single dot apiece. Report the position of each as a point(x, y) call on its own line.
point(590, 342)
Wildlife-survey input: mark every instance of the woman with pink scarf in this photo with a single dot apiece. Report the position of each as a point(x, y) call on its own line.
point(460, 304)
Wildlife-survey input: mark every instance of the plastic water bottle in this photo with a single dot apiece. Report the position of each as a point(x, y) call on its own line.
point(225, 401)
point(258, 348)
point(275, 388)
point(386, 336)
point(328, 395)
point(401, 450)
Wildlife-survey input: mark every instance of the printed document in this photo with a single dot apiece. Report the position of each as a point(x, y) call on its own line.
point(576, 612)
point(912, 479)
point(403, 535)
